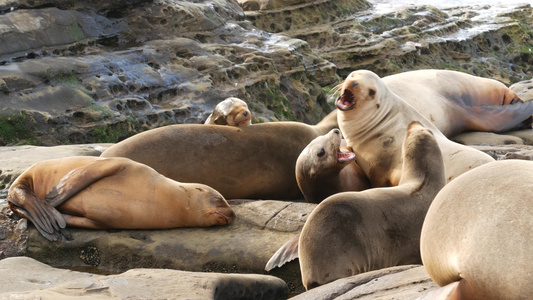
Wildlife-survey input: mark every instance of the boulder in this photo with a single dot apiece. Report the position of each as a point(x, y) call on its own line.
point(402, 282)
point(26, 278)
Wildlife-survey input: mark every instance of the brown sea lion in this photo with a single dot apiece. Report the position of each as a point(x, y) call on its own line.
point(232, 111)
point(373, 120)
point(478, 234)
point(455, 101)
point(322, 169)
point(250, 162)
point(100, 193)
point(355, 232)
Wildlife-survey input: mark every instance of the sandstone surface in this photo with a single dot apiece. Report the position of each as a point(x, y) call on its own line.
point(26, 278)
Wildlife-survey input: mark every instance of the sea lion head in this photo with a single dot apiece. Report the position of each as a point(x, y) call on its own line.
point(209, 206)
point(360, 89)
point(323, 154)
point(232, 111)
point(321, 161)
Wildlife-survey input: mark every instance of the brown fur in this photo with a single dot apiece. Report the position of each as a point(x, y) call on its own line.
point(251, 162)
point(455, 101)
point(373, 121)
point(100, 193)
point(354, 232)
point(478, 232)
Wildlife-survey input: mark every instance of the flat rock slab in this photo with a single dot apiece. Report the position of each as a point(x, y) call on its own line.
point(402, 282)
point(244, 246)
point(26, 278)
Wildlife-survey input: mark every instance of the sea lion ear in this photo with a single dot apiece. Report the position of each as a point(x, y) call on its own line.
point(221, 120)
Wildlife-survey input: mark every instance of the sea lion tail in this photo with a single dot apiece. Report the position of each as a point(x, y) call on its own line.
point(285, 254)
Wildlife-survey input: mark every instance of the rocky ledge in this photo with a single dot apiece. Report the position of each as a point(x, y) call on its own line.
point(74, 72)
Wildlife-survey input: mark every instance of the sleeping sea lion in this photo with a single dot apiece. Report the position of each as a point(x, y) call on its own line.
point(455, 101)
point(101, 193)
point(250, 162)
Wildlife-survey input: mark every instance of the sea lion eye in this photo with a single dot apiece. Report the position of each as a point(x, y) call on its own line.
point(321, 153)
point(371, 92)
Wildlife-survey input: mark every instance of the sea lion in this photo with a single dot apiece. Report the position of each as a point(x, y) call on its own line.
point(355, 232)
point(455, 101)
point(322, 169)
point(232, 111)
point(100, 193)
point(250, 162)
point(477, 236)
point(373, 121)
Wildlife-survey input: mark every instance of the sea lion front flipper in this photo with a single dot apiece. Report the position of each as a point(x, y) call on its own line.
point(500, 118)
point(80, 178)
point(44, 217)
point(285, 254)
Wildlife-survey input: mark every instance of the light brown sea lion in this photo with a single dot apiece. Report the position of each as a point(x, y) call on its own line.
point(355, 232)
point(455, 101)
point(99, 193)
point(323, 169)
point(373, 120)
point(232, 111)
point(477, 237)
point(250, 162)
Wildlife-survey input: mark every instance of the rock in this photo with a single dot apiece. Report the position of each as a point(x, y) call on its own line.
point(116, 73)
point(477, 138)
point(524, 89)
point(244, 246)
point(83, 72)
point(27, 278)
point(500, 152)
point(402, 282)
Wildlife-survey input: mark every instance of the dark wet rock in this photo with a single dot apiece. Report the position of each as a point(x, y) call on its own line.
point(83, 76)
point(26, 278)
point(83, 72)
point(402, 282)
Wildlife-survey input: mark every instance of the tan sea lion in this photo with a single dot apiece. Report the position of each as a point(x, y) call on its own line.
point(232, 111)
point(477, 237)
point(373, 120)
point(355, 232)
point(322, 169)
point(100, 193)
point(250, 162)
point(455, 101)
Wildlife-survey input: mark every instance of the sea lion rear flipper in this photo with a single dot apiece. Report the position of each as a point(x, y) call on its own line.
point(80, 178)
point(447, 292)
point(500, 118)
point(285, 254)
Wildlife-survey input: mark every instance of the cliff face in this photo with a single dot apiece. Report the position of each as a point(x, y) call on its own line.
point(73, 72)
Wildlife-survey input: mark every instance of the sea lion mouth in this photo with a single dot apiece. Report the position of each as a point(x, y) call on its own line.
point(343, 157)
point(346, 101)
point(228, 219)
